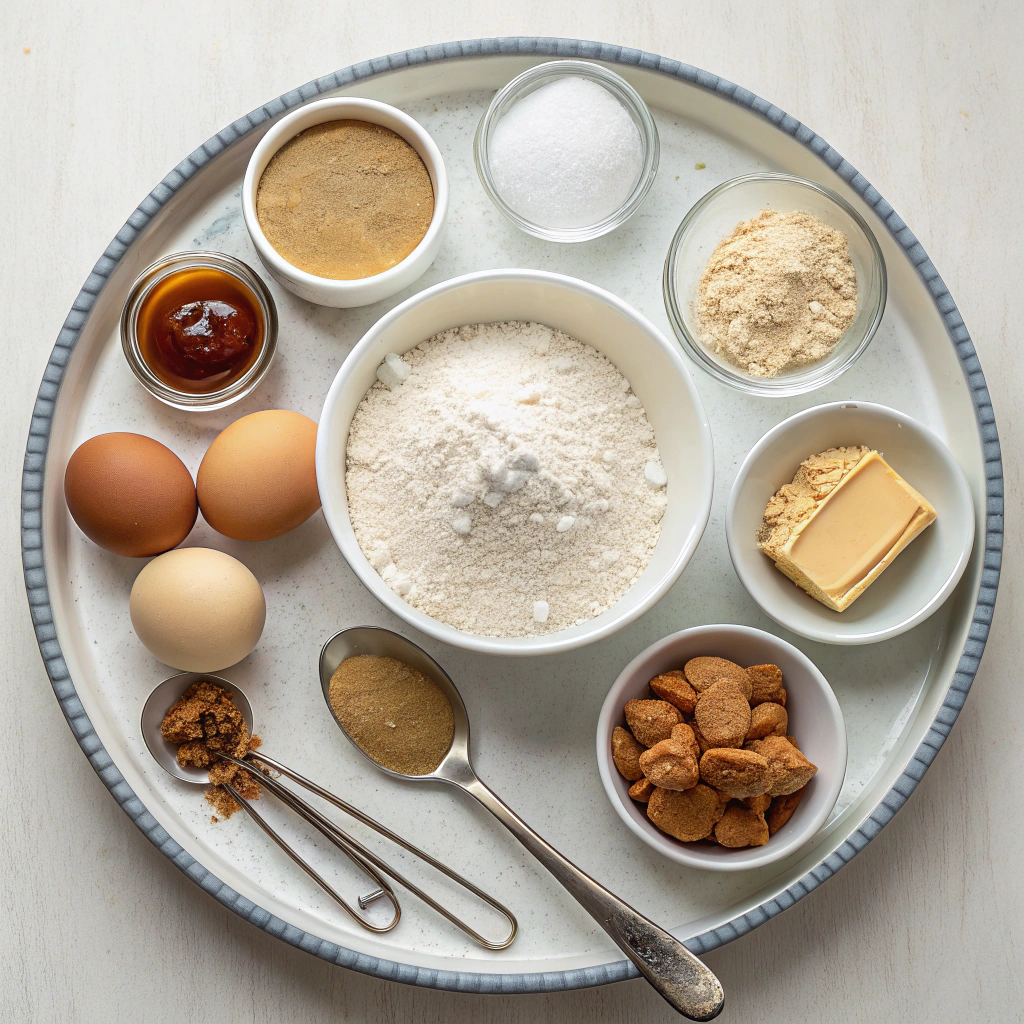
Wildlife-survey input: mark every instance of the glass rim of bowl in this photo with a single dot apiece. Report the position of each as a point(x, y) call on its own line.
point(787, 385)
point(141, 288)
point(530, 80)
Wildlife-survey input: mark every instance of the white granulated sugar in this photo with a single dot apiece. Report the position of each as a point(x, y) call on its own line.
point(498, 492)
point(567, 155)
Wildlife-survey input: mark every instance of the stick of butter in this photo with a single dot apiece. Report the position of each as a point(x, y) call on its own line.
point(840, 523)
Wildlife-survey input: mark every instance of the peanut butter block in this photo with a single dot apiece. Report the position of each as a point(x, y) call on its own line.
point(840, 523)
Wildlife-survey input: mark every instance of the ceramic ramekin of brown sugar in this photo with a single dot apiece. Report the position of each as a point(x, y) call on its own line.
point(355, 229)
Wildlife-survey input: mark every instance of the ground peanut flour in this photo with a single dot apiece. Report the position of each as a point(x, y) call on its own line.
point(777, 293)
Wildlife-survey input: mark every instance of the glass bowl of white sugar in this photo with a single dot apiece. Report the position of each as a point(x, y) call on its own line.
point(567, 151)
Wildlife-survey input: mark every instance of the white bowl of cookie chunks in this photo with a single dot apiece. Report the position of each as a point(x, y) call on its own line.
point(722, 747)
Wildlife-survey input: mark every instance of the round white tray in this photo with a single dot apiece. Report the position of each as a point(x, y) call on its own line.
point(533, 720)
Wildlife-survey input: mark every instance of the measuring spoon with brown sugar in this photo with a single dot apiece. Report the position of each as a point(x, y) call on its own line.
point(679, 977)
point(267, 771)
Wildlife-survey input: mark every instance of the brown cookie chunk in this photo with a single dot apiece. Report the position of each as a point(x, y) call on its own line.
point(740, 827)
point(672, 763)
point(767, 719)
point(716, 761)
point(702, 672)
point(765, 682)
point(702, 741)
point(652, 720)
point(736, 773)
point(626, 753)
point(641, 790)
point(685, 733)
point(673, 687)
point(686, 815)
point(723, 714)
point(781, 810)
point(788, 769)
point(758, 804)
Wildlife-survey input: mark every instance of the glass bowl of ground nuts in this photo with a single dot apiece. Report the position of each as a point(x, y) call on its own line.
point(774, 284)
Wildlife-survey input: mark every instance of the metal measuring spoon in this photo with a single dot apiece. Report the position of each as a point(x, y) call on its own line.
point(679, 977)
point(165, 754)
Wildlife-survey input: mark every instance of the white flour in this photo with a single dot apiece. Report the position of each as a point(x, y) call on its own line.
point(511, 486)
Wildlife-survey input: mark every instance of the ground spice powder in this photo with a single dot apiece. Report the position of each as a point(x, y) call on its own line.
point(777, 293)
point(393, 713)
point(205, 721)
point(345, 200)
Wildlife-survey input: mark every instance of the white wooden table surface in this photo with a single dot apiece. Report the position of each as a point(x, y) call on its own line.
point(100, 100)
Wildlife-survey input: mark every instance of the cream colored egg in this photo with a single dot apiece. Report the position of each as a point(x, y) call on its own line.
point(197, 609)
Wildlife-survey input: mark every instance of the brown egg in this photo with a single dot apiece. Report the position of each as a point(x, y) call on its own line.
point(130, 494)
point(258, 478)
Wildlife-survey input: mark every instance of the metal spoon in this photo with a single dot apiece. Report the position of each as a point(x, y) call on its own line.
point(156, 707)
point(170, 690)
point(680, 978)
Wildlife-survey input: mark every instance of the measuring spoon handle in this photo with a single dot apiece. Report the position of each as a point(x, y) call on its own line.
point(685, 983)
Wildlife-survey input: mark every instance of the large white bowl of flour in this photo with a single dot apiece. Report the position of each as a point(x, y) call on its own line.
point(658, 377)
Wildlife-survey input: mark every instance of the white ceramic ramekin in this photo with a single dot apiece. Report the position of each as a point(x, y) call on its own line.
point(815, 720)
point(921, 577)
point(655, 369)
point(362, 291)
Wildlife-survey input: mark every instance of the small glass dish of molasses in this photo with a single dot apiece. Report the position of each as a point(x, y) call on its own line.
point(199, 330)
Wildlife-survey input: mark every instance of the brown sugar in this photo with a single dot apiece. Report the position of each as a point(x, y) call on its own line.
point(723, 714)
point(345, 200)
point(686, 815)
point(205, 721)
point(393, 713)
point(673, 687)
point(702, 672)
point(652, 721)
point(740, 827)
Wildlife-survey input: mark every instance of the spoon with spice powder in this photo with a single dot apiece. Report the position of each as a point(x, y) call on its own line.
point(199, 729)
point(403, 712)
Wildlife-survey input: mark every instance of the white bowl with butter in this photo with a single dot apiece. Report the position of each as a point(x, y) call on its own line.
point(916, 580)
